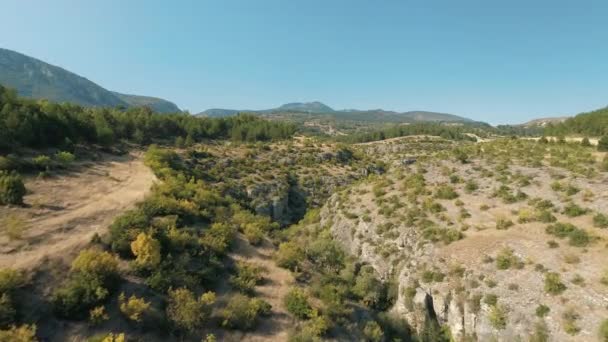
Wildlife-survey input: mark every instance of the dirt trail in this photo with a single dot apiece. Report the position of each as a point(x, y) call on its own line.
point(64, 212)
point(276, 285)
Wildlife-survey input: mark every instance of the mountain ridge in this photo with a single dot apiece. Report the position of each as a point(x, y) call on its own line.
point(319, 108)
point(36, 79)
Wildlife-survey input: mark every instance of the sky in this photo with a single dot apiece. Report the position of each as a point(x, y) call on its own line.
point(494, 61)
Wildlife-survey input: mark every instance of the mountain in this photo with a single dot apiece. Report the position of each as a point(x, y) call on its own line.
point(155, 103)
point(433, 116)
point(542, 122)
point(309, 107)
point(317, 109)
point(219, 112)
point(39, 80)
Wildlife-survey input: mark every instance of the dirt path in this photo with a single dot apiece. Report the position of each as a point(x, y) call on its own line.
point(64, 212)
point(276, 285)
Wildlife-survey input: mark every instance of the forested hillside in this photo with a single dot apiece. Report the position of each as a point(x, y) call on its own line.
point(32, 123)
point(593, 124)
point(36, 79)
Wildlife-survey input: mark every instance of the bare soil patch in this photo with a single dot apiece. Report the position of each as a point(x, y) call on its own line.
point(64, 212)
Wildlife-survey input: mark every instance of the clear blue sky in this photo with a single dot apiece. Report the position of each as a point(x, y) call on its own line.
point(497, 61)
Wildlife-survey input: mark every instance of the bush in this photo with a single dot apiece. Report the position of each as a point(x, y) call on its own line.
point(248, 276)
point(503, 223)
point(10, 280)
point(8, 312)
point(542, 310)
point(289, 255)
point(553, 283)
point(187, 312)
point(93, 275)
point(147, 251)
point(373, 332)
point(573, 210)
point(603, 331)
point(243, 313)
point(23, 333)
point(585, 142)
point(498, 317)
point(133, 308)
point(65, 158)
point(602, 144)
point(98, 315)
point(296, 302)
point(43, 162)
point(600, 220)
point(446, 192)
point(577, 237)
point(490, 299)
point(506, 259)
point(12, 188)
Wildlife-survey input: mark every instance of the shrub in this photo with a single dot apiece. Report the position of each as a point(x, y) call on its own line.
point(12, 188)
point(147, 251)
point(23, 333)
point(490, 299)
point(289, 255)
point(373, 332)
point(570, 317)
point(471, 186)
point(14, 226)
point(600, 220)
point(603, 331)
point(506, 259)
point(542, 310)
point(503, 223)
point(498, 317)
point(248, 276)
point(8, 312)
point(553, 283)
point(10, 280)
point(133, 308)
point(573, 210)
point(43, 162)
point(253, 233)
point(602, 144)
point(98, 315)
point(541, 332)
point(93, 275)
point(585, 142)
point(243, 313)
point(296, 302)
point(65, 158)
point(577, 237)
point(368, 289)
point(446, 192)
point(185, 311)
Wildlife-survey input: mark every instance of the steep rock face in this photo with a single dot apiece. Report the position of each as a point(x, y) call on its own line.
point(459, 315)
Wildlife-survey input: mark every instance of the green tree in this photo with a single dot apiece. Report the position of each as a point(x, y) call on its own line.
point(186, 311)
point(12, 188)
point(147, 251)
point(296, 302)
point(602, 144)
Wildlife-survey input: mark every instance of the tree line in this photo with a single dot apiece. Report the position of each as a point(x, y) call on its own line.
point(40, 123)
point(593, 123)
point(446, 131)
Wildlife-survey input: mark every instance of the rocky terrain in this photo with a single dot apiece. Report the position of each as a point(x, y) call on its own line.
point(500, 241)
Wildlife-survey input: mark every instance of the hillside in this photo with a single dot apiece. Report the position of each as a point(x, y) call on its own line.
point(156, 104)
point(593, 123)
point(36, 79)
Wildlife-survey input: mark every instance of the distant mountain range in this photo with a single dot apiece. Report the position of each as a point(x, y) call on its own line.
point(320, 109)
point(542, 122)
point(39, 80)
